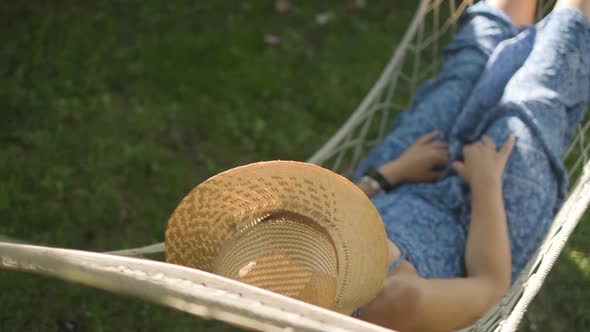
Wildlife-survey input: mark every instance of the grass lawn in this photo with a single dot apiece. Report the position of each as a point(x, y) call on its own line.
point(111, 111)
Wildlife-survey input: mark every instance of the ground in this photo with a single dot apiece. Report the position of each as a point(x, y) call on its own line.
point(113, 110)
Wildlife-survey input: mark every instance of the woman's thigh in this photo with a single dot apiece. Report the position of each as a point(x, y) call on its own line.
point(551, 89)
point(438, 101)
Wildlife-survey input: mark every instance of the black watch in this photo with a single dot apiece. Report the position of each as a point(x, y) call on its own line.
point(374, 174)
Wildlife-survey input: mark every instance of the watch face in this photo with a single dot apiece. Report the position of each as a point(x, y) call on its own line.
point(372, 183)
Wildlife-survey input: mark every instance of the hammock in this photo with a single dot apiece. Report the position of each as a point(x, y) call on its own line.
point(210, 296)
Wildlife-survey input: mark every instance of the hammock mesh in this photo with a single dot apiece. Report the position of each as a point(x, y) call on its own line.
point(414, 60)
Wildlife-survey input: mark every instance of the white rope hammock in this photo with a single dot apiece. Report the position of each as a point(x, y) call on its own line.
point(210, 296)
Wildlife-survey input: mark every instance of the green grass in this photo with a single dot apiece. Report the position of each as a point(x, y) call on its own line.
point(113, 110)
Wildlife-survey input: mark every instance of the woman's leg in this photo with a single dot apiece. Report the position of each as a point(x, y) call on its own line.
point(551, 90)
point(542, 105)
point(581, 5)
point(521, 12)
point(438, 102)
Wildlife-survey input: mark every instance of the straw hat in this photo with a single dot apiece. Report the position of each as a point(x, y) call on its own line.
point(292, 228)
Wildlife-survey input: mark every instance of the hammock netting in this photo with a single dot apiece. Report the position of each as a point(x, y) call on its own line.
point(415, 59)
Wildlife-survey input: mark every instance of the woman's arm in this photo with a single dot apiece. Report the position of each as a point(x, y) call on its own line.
point(411, 303)
point(416, 164)
point(487, 253)
point(393, 173)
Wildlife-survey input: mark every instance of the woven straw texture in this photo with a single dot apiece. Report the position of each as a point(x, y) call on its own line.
point(289, 217)
point(414, 60)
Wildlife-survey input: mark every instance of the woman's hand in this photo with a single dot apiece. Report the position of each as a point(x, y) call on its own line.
point(482, 162)
point(418, 162)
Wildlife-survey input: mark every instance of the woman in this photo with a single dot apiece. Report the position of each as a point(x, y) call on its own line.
point(470, 227)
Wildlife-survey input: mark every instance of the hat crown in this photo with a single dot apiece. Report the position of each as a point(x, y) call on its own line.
point(286, 242)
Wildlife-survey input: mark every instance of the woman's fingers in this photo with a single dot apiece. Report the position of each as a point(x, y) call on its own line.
point(444, 158)
point(426, 138)
point(487, 141)
point(459, 167)
point(508, 147)
point(439, 156)
point(439, 144)
point(468, 149)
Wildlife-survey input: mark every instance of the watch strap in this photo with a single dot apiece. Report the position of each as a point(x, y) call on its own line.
point(374, 173)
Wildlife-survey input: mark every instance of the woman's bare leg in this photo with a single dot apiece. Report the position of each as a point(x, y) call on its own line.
point(521, 12)
point(581, 5)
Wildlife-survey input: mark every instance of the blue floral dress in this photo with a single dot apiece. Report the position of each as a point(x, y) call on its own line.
point(495, 80)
